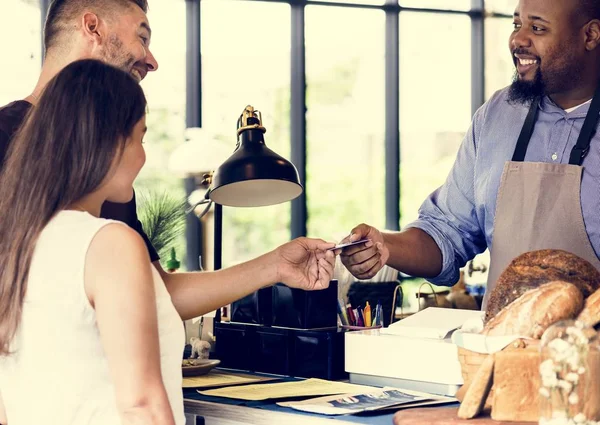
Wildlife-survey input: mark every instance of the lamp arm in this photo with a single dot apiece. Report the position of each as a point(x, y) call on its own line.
point(218, 217)
point(206, 200)
point(202, 202)
point(218, 252)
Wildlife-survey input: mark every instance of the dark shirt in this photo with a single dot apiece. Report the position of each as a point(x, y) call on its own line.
point(11, 118)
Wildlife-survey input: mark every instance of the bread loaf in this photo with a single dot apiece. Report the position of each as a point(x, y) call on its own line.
point(517, 382)
point(516, 385)
point(590, 315)
point(532, 269)
point(478, 391)
point(532, 313)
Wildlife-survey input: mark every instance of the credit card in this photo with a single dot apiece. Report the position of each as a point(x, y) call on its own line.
point(347, 244)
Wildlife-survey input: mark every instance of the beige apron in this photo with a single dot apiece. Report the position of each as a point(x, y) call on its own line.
point(539, 205)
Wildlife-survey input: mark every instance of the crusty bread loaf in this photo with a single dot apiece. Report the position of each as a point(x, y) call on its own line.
point(591, 408)
point(590, 315)
point(478, 391)
point(534, 311)
point(535, 268)
point(517, 384)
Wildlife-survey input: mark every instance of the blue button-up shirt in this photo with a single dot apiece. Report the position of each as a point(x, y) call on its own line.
point(459, 215)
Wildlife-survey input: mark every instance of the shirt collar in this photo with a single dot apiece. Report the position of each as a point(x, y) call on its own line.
point(548, 106)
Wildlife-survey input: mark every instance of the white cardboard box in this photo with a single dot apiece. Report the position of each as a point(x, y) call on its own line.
point(422, 364)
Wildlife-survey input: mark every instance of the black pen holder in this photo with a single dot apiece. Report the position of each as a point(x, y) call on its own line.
point(235, 345)
point(318, 354)
point(275, 354)
point(253, 309)
point(373, 292)
point(293, 352)
point(300, 309)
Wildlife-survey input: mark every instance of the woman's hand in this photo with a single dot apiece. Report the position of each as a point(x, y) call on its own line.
point(306, 263)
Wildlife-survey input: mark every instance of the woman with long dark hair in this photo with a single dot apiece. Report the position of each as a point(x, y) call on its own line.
point(82, 310)
point(84, 318)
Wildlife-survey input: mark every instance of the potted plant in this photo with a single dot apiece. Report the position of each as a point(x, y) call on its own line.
point(163, 219)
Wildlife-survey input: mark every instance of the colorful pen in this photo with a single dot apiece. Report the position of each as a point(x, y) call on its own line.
point(367, 313)
point(351, 316)
point(361, 316)
point(356, 316)
point(342, 313)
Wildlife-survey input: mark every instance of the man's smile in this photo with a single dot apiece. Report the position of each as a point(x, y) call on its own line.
point(525, 63)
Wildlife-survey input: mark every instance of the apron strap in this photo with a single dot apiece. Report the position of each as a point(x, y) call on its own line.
point(526, 131)
point(588, 130)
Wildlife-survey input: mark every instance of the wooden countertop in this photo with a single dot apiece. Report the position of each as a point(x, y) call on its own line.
point(444, 416)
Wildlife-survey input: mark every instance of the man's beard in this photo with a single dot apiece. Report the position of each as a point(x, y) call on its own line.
point(116, 56)
point(524, 92)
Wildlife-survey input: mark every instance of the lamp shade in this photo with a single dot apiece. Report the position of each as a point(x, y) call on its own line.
point(254, 175)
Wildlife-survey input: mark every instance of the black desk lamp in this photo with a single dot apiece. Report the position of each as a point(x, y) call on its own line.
point(253, 176)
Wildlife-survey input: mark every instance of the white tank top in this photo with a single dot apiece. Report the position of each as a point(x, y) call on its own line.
point(58, 374)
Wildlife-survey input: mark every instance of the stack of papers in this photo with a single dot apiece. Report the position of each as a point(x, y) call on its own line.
point(375, 399)
point(346, 399)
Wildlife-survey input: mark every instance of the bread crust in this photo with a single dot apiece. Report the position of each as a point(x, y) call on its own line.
point(532, 313)
point(532, 269)
point(478, 391)
point(590, 315)
point(517, 385)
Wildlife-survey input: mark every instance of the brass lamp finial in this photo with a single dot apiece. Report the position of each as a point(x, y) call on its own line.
point(249, 120)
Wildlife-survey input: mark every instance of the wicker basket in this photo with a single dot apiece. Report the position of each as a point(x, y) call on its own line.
point(470, 361)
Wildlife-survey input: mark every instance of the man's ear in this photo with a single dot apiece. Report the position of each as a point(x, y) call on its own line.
point(91, 27)
point(592, 34)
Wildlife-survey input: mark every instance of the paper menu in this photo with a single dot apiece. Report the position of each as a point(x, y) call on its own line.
point(432, 323)
point(305, 388)
point(375, 399)
point(221, 378)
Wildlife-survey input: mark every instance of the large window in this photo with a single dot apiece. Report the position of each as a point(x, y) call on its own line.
point(345, 119)
point(499, 67)
point(21, 61)
point(438, 4)
point(246, 61)
point(165, 92)
point(369, 2)
point(506, 7)
point(245, 47)
point(345, 48)
point(435, 101)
